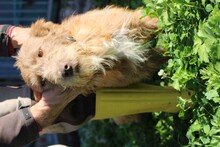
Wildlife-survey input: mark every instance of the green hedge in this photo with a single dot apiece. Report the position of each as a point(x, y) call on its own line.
point(190, 32)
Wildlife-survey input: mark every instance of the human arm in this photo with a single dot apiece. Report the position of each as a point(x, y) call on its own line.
point(18, 128)
point(22, 126)
point(13, 125)
point(12, 37)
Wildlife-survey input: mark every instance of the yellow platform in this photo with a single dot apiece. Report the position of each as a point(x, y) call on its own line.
point(114, 102)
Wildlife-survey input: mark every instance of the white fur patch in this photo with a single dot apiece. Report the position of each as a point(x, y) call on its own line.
point(122, 46)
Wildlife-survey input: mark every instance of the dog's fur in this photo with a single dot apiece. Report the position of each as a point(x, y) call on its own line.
point(104, 48)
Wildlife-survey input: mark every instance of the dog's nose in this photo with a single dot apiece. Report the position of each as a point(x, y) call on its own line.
point(68, 71)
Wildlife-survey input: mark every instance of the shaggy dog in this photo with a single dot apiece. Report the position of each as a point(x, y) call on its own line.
point(112, 47)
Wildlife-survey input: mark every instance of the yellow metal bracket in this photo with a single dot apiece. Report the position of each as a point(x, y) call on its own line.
point(114, 102)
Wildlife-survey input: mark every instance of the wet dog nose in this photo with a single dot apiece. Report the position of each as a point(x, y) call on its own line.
point(68, 71)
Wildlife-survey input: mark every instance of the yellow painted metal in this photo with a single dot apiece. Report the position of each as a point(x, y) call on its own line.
point(114, 102)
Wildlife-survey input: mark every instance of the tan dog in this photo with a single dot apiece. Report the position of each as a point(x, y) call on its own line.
point(112, 47)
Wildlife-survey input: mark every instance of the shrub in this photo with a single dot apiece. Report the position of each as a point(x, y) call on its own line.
point(190, 31)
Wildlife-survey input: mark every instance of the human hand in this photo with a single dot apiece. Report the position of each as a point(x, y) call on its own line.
point(18, 36)
point(51, 104)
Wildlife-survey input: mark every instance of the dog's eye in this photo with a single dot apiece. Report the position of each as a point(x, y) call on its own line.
point(40, 53)
point(71, 39)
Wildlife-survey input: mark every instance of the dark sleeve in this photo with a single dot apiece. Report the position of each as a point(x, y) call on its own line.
point(6, 48)
point(18, 128)
point(80, 110)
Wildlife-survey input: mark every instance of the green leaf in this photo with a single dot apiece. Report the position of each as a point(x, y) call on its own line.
point(211, 94)
point(205, 140)
point(215, 140)
point(196, 126)
point(203, 53)
point(217, 66)
point(218, 112)
point(165, 18)
point(209, 8)
point(206, 129)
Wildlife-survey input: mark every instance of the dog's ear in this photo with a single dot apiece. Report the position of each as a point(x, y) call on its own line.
point(41, 28)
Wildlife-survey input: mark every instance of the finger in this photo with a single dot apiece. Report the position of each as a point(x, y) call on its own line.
point(37, 95)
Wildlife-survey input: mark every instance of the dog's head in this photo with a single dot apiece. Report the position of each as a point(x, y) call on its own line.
point(51, 56)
